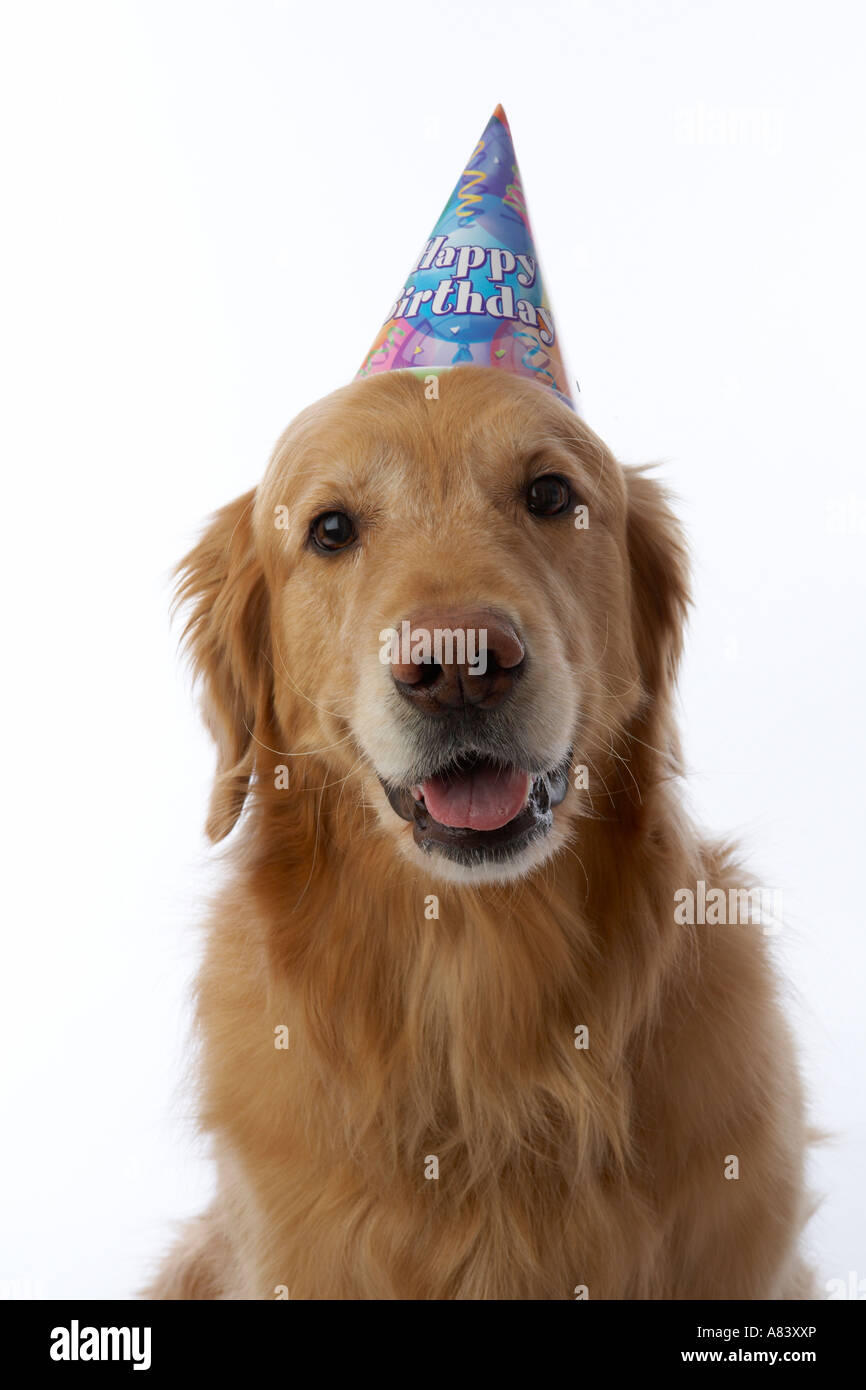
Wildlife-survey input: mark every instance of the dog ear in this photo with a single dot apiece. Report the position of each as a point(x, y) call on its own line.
point(227, 635)
point(660, 590)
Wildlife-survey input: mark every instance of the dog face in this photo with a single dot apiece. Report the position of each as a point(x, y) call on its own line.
point(462, 605)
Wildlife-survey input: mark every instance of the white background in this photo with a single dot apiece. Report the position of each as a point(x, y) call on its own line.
point(208, 209)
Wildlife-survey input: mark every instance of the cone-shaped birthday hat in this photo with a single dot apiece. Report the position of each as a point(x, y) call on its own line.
point(475, 294)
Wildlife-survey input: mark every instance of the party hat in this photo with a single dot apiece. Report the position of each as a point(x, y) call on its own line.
point(475, 294)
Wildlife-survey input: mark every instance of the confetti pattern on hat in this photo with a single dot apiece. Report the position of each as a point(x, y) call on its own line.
point(475, 294)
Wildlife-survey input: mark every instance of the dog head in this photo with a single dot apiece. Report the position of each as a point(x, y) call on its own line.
point(454, 598)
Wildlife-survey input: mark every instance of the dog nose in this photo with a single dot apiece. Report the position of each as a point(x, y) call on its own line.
point(455, 659)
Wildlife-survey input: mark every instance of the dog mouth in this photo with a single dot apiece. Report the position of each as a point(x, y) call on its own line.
point(478, 809)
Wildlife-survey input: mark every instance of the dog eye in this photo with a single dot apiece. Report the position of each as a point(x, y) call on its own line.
point(548, 495)
point(333, 531)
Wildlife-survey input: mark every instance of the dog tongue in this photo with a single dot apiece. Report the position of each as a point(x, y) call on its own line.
point(483, 799)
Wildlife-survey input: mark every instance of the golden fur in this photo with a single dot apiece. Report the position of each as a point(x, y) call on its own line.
point(454, 1037)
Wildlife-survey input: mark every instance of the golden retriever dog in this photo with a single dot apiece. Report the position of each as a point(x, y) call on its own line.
point(454, 1042)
